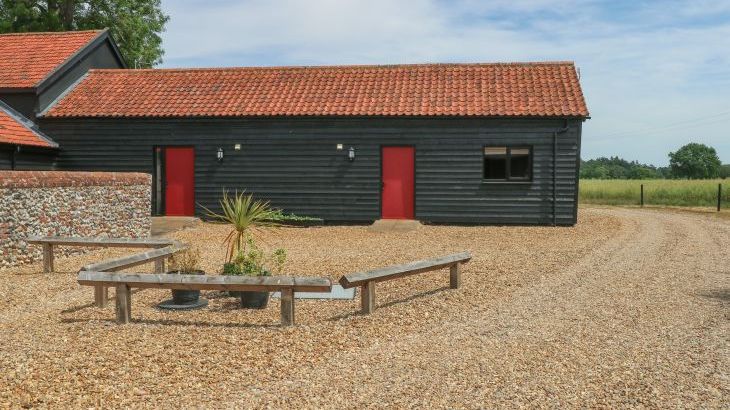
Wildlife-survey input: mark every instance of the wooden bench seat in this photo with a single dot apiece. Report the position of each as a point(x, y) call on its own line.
point(124, 282)
point(158, 256)
point(49, 242)
point(366, 280)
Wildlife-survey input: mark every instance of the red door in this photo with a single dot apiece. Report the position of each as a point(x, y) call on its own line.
point(179, 181)
point(398, 182)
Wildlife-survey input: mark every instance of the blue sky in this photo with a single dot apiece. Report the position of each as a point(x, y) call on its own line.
point(656, 74)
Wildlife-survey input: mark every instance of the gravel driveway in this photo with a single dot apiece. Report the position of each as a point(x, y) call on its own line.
point(629, 308)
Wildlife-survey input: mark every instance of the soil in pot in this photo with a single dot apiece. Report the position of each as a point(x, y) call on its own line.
point(254, 299)
point(184, 296)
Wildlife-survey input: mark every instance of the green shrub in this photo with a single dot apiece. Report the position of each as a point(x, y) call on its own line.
point(254, 262)
point(187, 261)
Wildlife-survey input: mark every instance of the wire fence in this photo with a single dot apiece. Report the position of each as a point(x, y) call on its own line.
point(683, 193)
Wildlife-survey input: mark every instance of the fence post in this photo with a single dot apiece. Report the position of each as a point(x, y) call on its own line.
point(719, 196)
point(642, 195)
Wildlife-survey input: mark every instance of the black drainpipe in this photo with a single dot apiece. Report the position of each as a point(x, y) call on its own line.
point(555, 169)
point(16, 150)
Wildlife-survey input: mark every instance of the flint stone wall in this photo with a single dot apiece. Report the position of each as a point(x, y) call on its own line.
point(112, 204)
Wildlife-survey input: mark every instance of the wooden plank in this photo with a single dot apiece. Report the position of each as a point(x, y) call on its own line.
point(101, 296)
point(287, 307)
point(129, 261)
point(102, 241)
point(160, 266)
point(189, 282)
point(399, 271)
point(308, 284)
point(124, 304)
point(367, 297)
point(47, 258)
point(455, 276)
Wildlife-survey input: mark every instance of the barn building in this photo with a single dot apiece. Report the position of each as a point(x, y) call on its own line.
point(447, 143)
point(35, 69)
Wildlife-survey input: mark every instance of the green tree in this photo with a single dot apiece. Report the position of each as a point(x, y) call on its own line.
point(136, 25)
point(725, 171)
point(642, 172)
point(695, 161)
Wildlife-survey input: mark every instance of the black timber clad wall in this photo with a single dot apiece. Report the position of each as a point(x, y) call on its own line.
point(24, 103)
point(102, 56)
point(293, 162)
point(28, 159)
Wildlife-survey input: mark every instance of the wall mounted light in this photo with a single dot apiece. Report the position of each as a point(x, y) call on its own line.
point(219, 154)
point(339, 147)
point(237, 147)
point(351, 154)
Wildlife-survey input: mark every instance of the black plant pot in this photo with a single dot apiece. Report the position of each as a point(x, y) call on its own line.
point(183, 296)
point(254, 299)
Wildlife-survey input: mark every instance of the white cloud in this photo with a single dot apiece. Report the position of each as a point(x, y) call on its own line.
point(643, 67)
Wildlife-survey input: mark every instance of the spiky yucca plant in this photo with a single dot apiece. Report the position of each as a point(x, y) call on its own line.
point(245, 216)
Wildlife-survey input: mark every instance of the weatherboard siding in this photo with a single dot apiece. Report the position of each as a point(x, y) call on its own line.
point(28, 159)
point(101, 55)
point(293, 163)
point(22, 102)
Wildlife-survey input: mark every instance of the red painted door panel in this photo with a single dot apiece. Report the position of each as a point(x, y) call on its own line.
point(179, 181)
point(398, 182)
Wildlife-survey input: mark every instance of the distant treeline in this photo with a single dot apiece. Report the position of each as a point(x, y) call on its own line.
point(619, 168)
point(692, 161)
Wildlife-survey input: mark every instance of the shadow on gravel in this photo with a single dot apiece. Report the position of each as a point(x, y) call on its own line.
point(170, 322)
point(391, 303)
point(720, 294)
point(88, 305)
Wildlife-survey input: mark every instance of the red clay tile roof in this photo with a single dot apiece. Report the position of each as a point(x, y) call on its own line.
point(27, 58)
point(515, 89)
point(16, 130)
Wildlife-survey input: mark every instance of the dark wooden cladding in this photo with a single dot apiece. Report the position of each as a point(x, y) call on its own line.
point(22, 102)
point(293, 162)
point(28, 158)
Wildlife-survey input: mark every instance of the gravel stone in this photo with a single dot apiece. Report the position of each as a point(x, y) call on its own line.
point(629, 308)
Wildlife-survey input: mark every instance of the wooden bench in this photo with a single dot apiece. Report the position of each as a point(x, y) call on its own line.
point(48, 242)
point(367, 280)
point(101, 293)
point(124, 282)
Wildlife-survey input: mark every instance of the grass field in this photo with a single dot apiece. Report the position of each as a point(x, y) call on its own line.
point(656, 192)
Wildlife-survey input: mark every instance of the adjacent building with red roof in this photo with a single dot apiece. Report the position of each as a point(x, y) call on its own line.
point(18, 130)
point(35, 69)
point(463, 143)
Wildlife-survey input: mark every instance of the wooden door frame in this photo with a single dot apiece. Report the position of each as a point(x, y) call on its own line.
point(163, 177)
point(380, 178)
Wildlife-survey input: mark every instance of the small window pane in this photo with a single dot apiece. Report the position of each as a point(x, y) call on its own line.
point(519, 163)
point(495, 151)
point(495, 167)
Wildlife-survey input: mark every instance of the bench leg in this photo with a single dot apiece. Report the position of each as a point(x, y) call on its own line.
point(287, 307)
point(124, 304)
point(101, 296)
point(455, 278)
point(47, 257)
point(160, 266)
point(367, 297)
